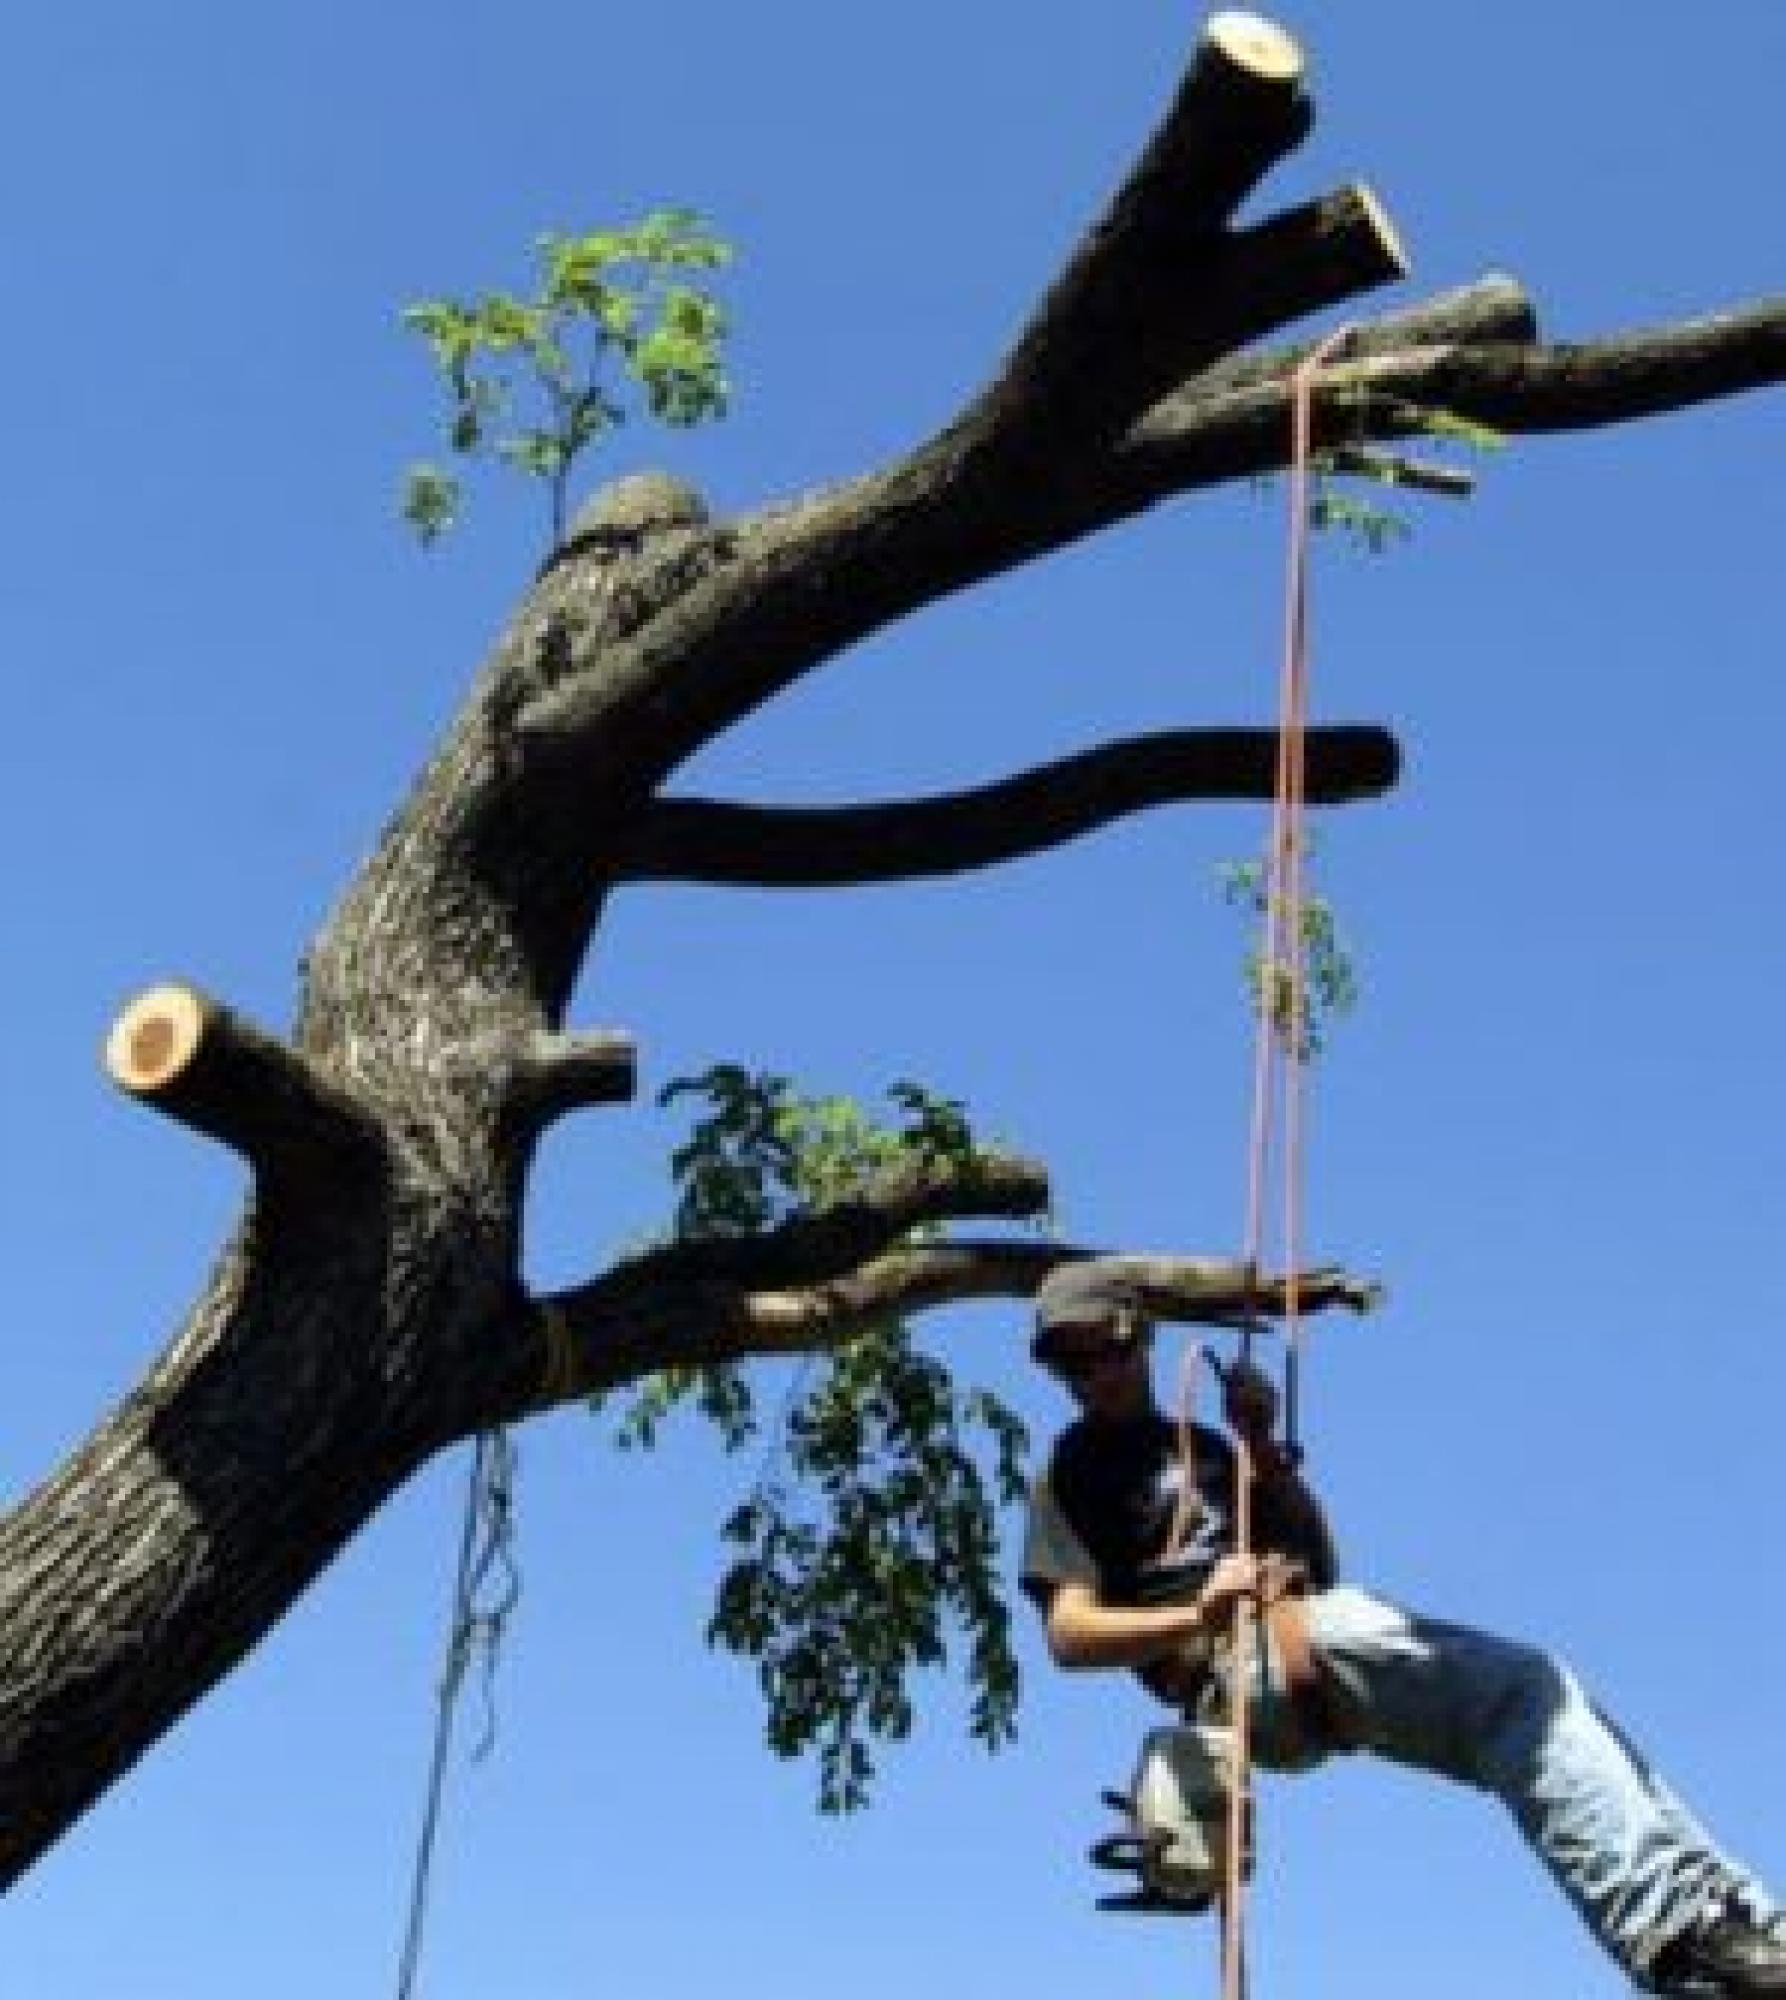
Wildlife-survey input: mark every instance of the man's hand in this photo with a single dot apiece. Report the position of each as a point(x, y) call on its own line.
point(1233, 1581)
point(1250, 1403)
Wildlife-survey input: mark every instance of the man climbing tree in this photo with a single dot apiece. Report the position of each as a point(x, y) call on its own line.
point(369, 1310)
point(1130, 1556)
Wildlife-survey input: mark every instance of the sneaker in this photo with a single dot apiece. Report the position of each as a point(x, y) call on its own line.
point(1729, 1956)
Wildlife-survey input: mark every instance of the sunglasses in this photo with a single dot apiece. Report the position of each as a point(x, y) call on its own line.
point(1081, 1364)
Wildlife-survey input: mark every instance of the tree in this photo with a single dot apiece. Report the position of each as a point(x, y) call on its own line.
point(367, 1312)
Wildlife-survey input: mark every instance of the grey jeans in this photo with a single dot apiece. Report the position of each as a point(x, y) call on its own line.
point(1514, 1721)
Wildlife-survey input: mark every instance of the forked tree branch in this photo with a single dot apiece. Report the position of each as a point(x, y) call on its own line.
point(704, 840)
point(690, 1301)
point(1086, 362)
point(635, 1321)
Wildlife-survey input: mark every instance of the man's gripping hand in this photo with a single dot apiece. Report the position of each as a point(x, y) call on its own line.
point(1250, 1403)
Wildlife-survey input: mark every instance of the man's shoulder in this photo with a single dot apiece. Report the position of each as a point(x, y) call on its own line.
point(1084, 1440)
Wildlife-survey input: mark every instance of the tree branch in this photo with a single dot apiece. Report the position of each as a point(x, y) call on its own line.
point(833, 1239)
point(691, 1301)
point(641, 1318)
point(1206, 1291)
point(670, 1310)
point(803, 583)
point(182, 1053)
point(553, 1074)
point(1413, 475)
point(1491, 311)
point(1088, 361)
point(918, 1279)
point(1201, 1291)
point(1617, 380)
point(793, 847)
point(1198, 440)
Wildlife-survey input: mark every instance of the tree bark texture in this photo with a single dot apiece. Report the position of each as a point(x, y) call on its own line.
point(367, 1310)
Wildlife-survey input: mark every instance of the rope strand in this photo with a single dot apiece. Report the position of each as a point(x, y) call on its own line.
point(1277, 1112)
point(485, 1546)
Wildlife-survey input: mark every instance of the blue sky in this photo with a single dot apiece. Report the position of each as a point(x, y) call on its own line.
point(1555, 1125)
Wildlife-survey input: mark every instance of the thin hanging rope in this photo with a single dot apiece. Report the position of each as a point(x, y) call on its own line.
point(1277, 1109)
point(1240, 1768)
point(484, 1546)
point(1293, 846)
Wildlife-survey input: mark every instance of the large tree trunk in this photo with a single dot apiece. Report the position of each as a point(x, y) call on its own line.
point(368, 1309)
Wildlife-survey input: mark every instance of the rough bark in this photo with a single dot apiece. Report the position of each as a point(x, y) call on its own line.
point(367, 1309)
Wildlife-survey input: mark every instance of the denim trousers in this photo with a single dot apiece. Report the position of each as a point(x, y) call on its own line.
point(1512, 1720)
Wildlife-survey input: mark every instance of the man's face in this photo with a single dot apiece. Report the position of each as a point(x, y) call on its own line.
point(1103, 1368)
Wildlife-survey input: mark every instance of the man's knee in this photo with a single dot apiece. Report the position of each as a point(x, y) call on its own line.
point(1517, 1695)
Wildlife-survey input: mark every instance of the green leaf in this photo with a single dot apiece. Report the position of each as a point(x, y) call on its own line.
point(430, 502)
point(540, 454)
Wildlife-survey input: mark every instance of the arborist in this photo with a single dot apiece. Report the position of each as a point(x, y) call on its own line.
point(1129, 1555)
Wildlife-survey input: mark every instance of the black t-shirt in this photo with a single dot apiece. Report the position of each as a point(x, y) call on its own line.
point(1102, 1513)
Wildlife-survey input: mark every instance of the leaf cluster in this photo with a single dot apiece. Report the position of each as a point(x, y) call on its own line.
point(1374, 528)
point(869, 1540)
point(875, 1534)
point(1325, 967)
point(536, 380)
point(1365, 521)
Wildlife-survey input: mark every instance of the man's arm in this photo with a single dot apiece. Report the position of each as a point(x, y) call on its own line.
point(1085, 1632)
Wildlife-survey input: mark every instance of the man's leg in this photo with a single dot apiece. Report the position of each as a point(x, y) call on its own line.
point(1513, 1721)
point(1746, 1889)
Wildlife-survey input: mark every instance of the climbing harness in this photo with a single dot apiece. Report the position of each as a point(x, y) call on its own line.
point(1188, 1832)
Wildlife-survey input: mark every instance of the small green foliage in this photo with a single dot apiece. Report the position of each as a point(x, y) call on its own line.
point(870, 1536)
point(430, 502)
point(1329, 973)
point(721, 1394)
point(1428, 420)
point(536, 381)
point(1368, 524)
point(1375, 529)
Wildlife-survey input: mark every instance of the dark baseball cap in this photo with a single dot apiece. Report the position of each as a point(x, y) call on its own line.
point(1089, 1297)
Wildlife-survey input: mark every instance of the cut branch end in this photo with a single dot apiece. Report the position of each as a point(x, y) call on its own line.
point(192, 1059)
point(1395, 257)
point(559, 1073)
point(156, 1038)
point(1255, 45)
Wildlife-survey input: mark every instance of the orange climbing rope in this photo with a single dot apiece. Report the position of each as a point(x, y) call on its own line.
point(1277, 1109)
